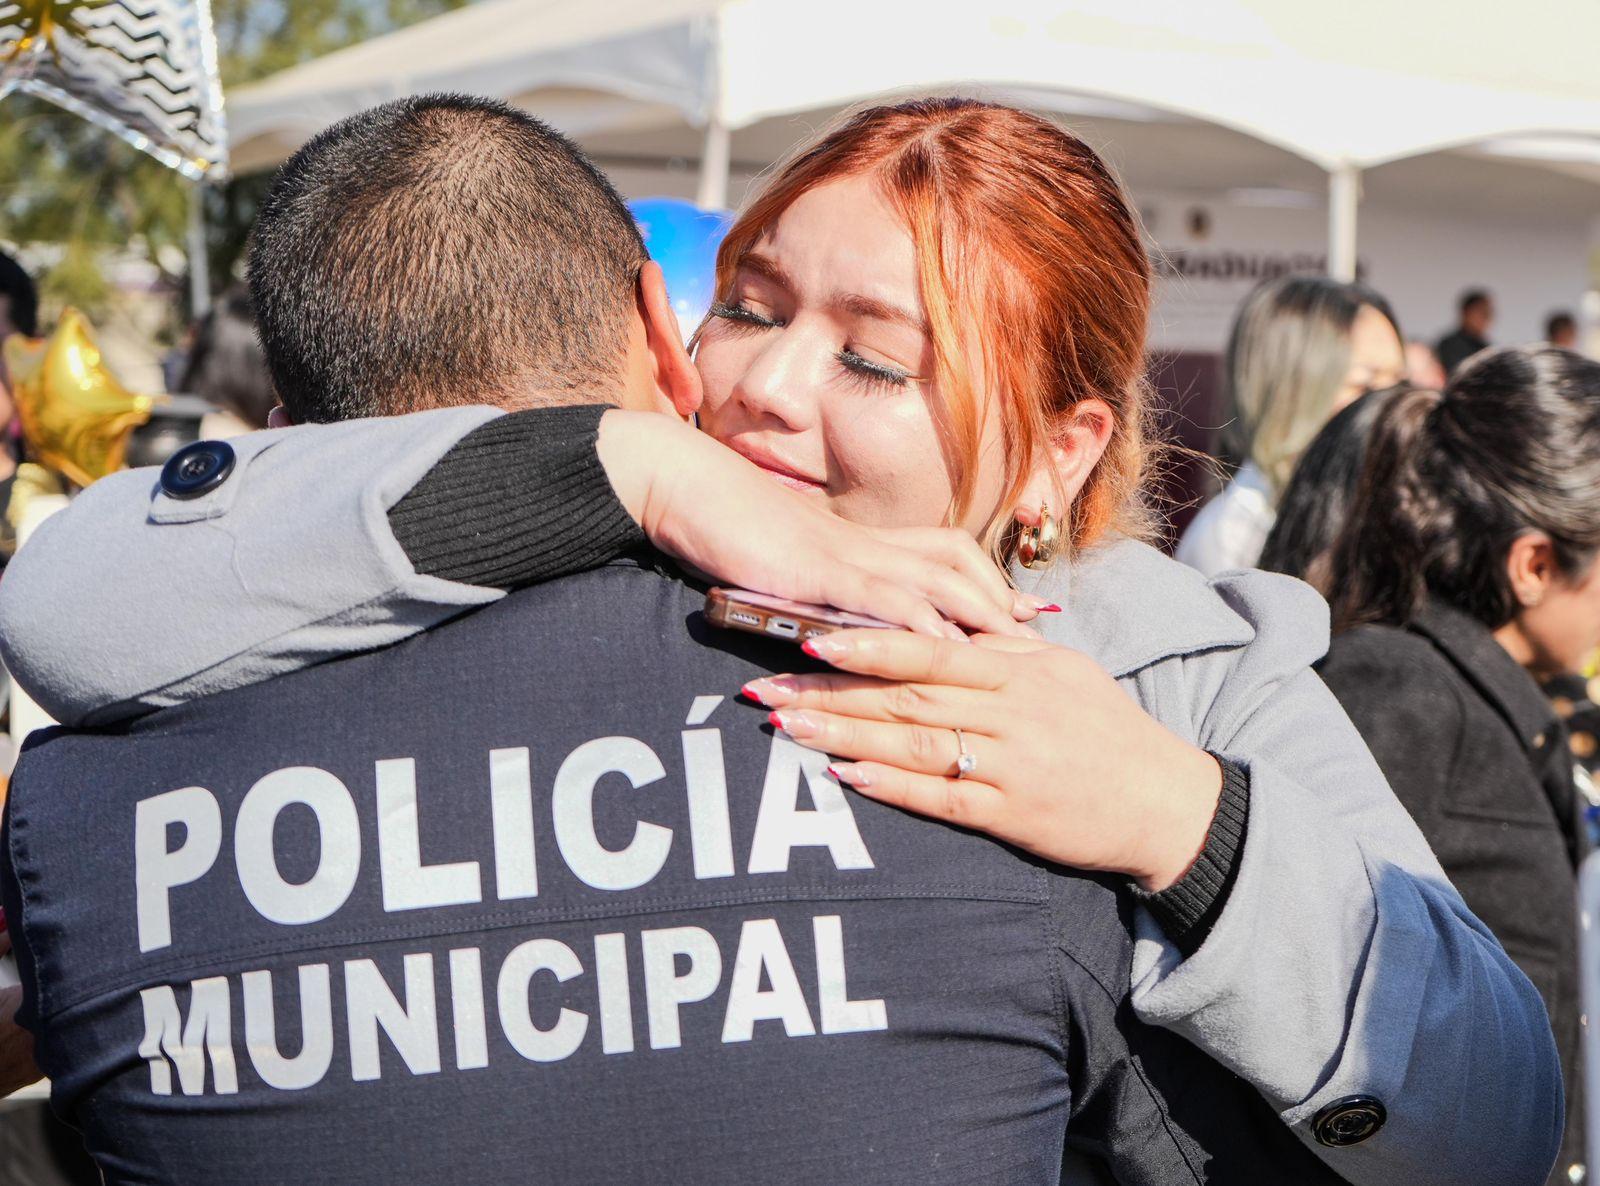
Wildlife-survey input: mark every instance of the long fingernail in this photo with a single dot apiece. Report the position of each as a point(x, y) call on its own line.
point(770, 691)
point(824, 647)
point(1052, 608)
point(796, 724)
point(850, 774)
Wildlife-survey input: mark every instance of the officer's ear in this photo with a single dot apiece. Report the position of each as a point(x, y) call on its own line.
point(667, 367)
point(279, 417)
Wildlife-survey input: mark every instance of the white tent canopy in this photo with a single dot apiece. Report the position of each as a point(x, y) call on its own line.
point(1371, 82)
point(1345, 89)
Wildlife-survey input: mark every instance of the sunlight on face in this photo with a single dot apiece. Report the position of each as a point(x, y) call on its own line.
point(1563, 630)
point(819, 367)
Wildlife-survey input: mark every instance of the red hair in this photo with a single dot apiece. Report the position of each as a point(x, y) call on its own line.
point(1028, 256)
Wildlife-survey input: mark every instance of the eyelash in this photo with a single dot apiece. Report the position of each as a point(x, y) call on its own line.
point(742, 316)
point(873, 373)
point(866, 371)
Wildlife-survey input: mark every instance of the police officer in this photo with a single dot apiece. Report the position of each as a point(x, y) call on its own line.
point(531, 894)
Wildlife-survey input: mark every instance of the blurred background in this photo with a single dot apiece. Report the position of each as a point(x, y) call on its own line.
point(1426, 148)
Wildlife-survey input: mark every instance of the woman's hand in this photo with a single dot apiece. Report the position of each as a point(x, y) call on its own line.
point(713, 510)
point(1067, 765)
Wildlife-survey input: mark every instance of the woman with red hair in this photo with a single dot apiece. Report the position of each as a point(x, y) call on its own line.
point(935, 316)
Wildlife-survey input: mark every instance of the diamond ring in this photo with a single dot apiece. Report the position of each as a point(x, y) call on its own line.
point(966, 761)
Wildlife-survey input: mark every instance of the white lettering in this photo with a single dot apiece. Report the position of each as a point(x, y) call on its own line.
point(307, 1068)
point(208, 1032)
point(616, 998)
point(516, 978)
point(466, 1005)
point(782, 827)
point(511, 798)
point(412, 1027)
point(840, 1015)
point(710, 834)
point(681, 966)
point(572, 805)
point(761, 950)
point(701, 709)
point(339, 859)
point(157, 870)
point(408, 884)
point(665, 990)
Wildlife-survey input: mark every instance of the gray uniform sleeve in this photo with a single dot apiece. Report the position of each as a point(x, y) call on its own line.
point(129, 599)
point(1344, 963)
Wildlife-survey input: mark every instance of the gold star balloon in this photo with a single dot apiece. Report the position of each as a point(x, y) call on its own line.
point(144, 69)
point(75, 416)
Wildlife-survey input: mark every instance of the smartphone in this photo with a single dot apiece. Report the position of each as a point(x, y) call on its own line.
point(778, 617)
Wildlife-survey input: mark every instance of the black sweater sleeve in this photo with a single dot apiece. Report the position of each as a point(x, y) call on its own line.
point(519, 500)
point(1189, 908)
point(524, 499)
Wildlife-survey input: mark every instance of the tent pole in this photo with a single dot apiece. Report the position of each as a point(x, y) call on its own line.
point(1344, 200)
point(199, 266)
point(714, 155)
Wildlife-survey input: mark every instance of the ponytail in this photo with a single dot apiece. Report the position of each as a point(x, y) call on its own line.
point(1379, 557)
point(1512, 446)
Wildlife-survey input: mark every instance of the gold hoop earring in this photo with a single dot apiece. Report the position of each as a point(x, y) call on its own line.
point(1037, 546)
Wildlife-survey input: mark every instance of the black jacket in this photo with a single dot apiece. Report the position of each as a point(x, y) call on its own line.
point(1474, 750)
point(535, 889)
point(1456, 347)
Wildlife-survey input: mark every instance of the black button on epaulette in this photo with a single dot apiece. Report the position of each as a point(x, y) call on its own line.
point(1349, 1121)
point(197, 469)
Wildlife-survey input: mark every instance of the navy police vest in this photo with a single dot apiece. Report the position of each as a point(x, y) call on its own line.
point(535, 898)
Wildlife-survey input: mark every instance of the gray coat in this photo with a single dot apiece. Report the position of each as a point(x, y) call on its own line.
point(1344, 963)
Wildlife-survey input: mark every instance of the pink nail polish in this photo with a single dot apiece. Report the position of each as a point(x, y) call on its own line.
point(823, 648)
point(1052, 608)
point(770, 691)
point(850, 775)
point(796, 724)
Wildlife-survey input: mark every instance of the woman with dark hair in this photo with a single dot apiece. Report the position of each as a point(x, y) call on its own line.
point(1466, 573)
point(1302, 348)
point(1316, 501)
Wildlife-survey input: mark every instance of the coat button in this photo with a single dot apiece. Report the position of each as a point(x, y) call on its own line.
point(1348, 1121)
point(197, 469)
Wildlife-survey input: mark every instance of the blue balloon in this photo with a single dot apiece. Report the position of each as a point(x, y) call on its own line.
point(683, 239)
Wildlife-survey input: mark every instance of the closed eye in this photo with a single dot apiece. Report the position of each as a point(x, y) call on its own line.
point(873, 372)
point(743, 315)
